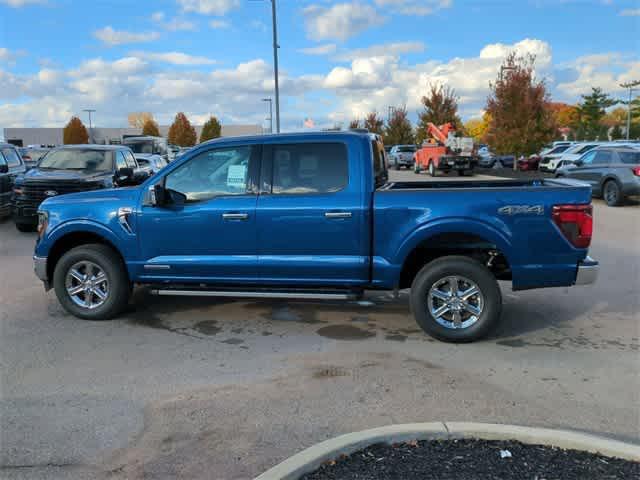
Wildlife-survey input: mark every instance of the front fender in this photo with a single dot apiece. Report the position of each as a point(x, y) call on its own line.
point(75, 226)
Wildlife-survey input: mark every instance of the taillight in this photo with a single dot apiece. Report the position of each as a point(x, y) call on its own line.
point(636, 171)
point(575, 222)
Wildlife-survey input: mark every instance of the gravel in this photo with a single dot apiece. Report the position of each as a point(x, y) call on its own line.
point(473, 459)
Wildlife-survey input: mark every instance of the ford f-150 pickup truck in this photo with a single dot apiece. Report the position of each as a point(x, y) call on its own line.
point(313, 215)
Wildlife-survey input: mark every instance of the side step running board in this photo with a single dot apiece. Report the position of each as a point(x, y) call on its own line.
point(310, 295)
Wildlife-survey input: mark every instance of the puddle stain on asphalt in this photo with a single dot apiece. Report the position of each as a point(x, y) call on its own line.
point(396, 338)
point(330, 371)
point(282, 313)
point(232, 341)
point(344, 332)
point(579, 341)
point(207, 327)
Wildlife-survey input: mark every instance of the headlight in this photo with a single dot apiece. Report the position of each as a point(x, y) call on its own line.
point(43, 222)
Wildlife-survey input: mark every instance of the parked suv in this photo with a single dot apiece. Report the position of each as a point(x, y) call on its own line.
point(402, 156)
point(69, 169)
point(11, 165)
point(612, 172)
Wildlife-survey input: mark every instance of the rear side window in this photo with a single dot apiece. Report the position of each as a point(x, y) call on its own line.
point(603, 157)
point(632, 158)
point(310, 168)
point(12, 157)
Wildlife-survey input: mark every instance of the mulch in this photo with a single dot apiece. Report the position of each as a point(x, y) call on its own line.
point(473, 460)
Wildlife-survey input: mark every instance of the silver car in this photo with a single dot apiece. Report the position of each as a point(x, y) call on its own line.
point(613, 172)
point(402, 156)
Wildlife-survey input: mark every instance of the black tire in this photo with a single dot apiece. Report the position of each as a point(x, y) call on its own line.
point(612, 193)
point(26, 227)
point(437, 270)
point(432, 169)
point(461, 173)
point(115, 271)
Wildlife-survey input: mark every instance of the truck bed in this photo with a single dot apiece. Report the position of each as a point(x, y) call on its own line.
point(481, 184)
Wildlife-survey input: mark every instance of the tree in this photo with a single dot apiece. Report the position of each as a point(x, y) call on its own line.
point(521, 120)
point(616, 132)
point(150, 128)
point(440, 107)
point(374, 123)
point(181, 132)
point(355, 123)
point(399, 130)
point(74, 132)
point(616, 117)
point(477, 127)
point(566, 117)
point(211, 129)
point(138, 119)
point(592, 110)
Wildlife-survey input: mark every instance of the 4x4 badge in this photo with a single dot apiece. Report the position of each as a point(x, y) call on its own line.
point(521, 210)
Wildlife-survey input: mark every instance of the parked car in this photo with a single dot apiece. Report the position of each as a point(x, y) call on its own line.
point(11, 165)
point(563, 155)
point(32, 155)
point(528, 163)
point(613, 172)
point(72, 168)
point(553, 145)
point(402, 156)
point(151, 163)
point(148, 145)
point(312, 215)
point(497, 161)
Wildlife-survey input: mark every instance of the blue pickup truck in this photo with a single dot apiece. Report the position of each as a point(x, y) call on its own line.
point(314, 215)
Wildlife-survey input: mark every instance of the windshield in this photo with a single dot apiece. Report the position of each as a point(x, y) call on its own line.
point(406, 148)
point(140, 147)
point(632, 158)
point(90, 160)
point(35, 155)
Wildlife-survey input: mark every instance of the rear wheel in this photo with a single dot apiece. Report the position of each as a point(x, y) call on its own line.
point(456, 299)
point(612, 193)
point(432, 169)
point(91, 282)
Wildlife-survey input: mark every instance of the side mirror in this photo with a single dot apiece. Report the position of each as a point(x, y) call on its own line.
point(578, 163)
point(4, 168)
point(158, 196)
point(124, 175)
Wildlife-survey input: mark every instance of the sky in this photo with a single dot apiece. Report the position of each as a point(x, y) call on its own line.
point(338, 59)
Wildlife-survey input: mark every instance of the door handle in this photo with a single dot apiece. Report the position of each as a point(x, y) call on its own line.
point(235, 216)
point(337, 214)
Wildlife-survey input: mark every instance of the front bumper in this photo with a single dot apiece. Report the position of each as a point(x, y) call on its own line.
point(40, 268)
point(587, 271)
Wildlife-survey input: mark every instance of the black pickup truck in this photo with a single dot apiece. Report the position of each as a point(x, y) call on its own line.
point(71, 169)
point(11, 165)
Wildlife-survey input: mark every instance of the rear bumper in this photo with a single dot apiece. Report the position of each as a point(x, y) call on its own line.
point(587, 271)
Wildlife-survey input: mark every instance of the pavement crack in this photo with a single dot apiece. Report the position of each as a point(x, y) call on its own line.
point(39, 465)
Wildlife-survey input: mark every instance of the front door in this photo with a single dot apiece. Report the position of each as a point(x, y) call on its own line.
point(592, 164)
point(212, 237)
point(312, 217)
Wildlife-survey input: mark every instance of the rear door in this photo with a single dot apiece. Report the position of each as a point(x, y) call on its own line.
point(312, 222)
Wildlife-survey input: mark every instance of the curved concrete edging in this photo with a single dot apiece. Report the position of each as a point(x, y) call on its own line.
point(314, 456)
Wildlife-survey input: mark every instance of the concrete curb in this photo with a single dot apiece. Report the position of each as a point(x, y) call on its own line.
point(314, 456)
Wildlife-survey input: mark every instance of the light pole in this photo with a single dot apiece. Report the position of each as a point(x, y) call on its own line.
point(630, 86)
point(270, 113)
point(90, 111)
point(275, 62)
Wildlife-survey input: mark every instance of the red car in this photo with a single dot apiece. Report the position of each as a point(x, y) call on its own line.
point(529, 163)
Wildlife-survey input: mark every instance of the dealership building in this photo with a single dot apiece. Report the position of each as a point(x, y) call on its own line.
point(53, 136)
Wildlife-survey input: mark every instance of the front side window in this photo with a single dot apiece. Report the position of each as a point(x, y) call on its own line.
point(407, 149)
point(2, 160)
point(76, 159)
point(214, 173)
point(12, 157)
point(130, 159)
point(588, 158)
point(602, 157)
point(310, 168)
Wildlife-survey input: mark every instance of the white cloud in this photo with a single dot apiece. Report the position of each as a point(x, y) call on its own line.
point(111, 37)
point(389, 49)
point(630, 12)
point(174, 24)
point(340, 21)
point(209, 7)
point(157, 16)
point(174, 58)
point(21, 3)
point(414, 7)
point(219, 24)
point(607, 71)
point(326, 49)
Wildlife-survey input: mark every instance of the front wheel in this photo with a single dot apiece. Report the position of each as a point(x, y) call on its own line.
point(91, 282)
point(456, 299)
point(612, 194)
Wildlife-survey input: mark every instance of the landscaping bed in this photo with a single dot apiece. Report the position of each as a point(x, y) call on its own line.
point(473, 460)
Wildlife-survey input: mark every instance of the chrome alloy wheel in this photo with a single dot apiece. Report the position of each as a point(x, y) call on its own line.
point(455, 302)
point(87, 285)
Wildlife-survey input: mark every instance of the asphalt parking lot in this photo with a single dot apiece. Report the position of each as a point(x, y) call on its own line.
point(204, 388)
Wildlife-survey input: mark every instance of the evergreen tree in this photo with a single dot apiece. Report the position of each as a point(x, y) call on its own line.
point(211, 129)
point(181, 132)
point(440, 107)
point(74, 132)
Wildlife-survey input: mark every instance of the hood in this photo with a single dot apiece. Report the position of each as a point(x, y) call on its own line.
point(93, 196)
point(45, 175)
